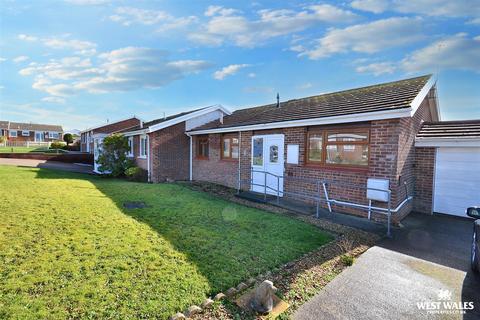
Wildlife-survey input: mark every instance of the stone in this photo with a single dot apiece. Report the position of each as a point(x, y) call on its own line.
point(262, 300)
point(178, 316)
point(193, 310)
point(231, 292)
point(241, 286)
point(207, 303)
point(219, 296)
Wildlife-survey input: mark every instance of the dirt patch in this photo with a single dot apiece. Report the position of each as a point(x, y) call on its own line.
point(299, 280)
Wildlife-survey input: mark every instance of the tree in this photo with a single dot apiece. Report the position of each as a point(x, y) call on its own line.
point(113, 155)
point(68, 138)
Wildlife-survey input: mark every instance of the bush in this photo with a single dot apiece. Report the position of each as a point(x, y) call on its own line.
point(347, 259)
point(57, 145)
point(136, 174)
point(3, 139)
point(113, 156)
point(72, 147)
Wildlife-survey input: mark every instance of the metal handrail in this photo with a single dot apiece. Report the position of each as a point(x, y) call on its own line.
point(325, 183)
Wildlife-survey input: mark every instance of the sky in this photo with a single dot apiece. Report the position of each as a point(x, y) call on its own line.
point(79, 63)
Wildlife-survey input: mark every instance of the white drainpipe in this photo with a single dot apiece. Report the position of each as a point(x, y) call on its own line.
point(148, 158)
point(191, 157)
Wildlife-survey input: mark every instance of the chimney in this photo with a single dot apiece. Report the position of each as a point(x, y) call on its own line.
point(278, 100)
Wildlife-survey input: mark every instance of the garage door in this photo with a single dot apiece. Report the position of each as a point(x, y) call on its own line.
point(457, 180)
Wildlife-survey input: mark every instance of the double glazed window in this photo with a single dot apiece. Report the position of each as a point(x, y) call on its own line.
point(230, 148)
point(25, 133)
point(202, 147)
point(143, 146)
point(338, 147)
point(130, 147)
point(13, 133)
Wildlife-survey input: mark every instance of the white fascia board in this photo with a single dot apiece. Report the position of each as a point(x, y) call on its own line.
point(186, 117)
point(448, 142)
point(135, 133)
point(357, 117)
point(417, 101)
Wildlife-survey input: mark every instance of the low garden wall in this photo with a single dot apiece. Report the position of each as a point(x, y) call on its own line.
point(63, 157)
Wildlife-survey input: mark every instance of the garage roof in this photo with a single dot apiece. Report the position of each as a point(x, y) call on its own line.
point(444, 133)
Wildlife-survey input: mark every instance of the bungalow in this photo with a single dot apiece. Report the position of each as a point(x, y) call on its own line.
point(19, 132)
point(87, 136)
point(331, 145)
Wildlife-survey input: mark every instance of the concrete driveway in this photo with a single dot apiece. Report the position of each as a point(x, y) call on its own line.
point(426, 264)
point(72, 167)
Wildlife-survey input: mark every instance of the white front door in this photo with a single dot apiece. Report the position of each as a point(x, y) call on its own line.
point(97, 148)
point(457, 173)
point(268, 156)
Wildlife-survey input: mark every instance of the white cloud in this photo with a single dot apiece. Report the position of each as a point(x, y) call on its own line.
point(367, 38)
point(125, 69)
point(2, 59)
point(165, 21)
point(377, 68)
point(78, 46)
point(305, 86)
point(52, 99)
point(20, 59)
point(27, 37)
point(445, 8)
point(474, 21)
point(228, 71)
point(229, 25)
point(455, 52)
point(252, 75)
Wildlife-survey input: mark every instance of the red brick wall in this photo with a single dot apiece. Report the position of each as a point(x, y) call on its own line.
point(424, 183)
point(214, 169)
point(169, 153)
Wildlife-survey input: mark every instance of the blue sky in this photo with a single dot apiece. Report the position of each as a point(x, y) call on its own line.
point(80, 62)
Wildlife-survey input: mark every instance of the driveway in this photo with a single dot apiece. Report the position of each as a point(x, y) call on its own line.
point(72, 167)
point(426, 261)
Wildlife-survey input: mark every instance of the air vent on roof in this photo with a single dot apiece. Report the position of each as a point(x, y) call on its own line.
point(278, 100)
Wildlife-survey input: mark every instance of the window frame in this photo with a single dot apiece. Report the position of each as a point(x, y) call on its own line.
point(131, 150)
point(205, 140)
point(229, 157)
point(325, 132)
point(11, 135)
point(25, 133)
point(142, 154)
point(53, 135)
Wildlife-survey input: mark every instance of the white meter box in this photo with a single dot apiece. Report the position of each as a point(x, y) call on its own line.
point(381, 184)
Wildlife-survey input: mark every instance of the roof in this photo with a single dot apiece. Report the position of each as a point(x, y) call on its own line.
point(107, 124)
point(449, 133)
point(157, 121)
point(389, 96)
point(30, 126)
point(450, 129)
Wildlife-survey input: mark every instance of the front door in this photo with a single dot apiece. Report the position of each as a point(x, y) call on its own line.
point(268, 163)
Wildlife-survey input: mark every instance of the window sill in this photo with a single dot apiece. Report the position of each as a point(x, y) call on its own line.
point(229, 159)
point(142, 157)
point(201, 158)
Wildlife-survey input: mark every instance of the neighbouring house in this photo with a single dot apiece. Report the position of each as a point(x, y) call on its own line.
point(161, 146)
point(388, 136)
point(87, 136)
point(21, 133)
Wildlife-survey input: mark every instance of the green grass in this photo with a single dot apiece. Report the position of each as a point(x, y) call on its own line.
point(30, 149)
point(68, 249)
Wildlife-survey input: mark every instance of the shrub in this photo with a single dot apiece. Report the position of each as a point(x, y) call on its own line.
point(57, 145)
point(3, 139)
point(347, 259)
point(68, 138)
point(136, 174)
point(113, 156)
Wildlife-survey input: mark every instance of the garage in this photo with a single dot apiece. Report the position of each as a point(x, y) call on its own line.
point(457, 180)
point(455, 172)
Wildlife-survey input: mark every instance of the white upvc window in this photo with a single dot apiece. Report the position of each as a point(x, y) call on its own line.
point(53, 135)
point(130, 147)
point(12, 133)
point(143, 146)
point(25, 133)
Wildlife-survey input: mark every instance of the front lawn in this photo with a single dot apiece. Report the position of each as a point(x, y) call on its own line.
point(68, 248)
